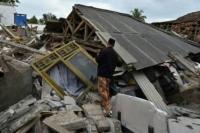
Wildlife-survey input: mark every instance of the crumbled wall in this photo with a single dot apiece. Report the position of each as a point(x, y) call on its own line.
point(15, 84)
point(7, 14)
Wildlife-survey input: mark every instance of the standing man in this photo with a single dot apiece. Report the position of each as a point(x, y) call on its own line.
point(107, 61)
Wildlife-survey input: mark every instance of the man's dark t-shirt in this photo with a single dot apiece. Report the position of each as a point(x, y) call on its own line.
point(107, 61)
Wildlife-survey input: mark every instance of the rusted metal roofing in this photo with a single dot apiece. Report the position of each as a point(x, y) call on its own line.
point(137, 42)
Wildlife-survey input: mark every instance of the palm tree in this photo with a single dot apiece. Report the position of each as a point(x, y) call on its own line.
point(10, 1)
point(138, 14)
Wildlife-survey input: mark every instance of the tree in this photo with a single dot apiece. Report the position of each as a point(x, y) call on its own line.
point(49, 17)
point(41, 21)
point(10, 1)
point(33, 20)
point(138, 14)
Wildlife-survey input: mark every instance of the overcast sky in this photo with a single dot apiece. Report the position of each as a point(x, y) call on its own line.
point(155, 10)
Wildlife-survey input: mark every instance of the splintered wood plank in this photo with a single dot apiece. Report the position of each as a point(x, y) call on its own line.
point(86, 32)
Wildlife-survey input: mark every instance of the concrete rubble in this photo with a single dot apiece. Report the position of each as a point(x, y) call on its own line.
point(48, 81)
point(29, 104)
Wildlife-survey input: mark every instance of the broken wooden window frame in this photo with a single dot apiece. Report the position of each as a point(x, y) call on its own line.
point(63, 55)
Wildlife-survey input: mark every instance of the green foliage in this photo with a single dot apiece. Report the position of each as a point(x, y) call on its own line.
point(10, 1)
point(46, 17)
point(138, 14)
point(33, 20)
point(41, 21)
point(49, 17)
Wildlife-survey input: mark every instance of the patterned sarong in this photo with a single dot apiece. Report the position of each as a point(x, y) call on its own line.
point(103, 88)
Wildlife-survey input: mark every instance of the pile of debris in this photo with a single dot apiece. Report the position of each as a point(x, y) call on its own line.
point(54, 114)
point(58, 70)
point(34, 102)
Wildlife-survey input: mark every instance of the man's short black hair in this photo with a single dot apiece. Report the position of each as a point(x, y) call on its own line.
point(111, 42)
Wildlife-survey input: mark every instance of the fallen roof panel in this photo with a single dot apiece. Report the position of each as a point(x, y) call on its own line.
point(147, 45)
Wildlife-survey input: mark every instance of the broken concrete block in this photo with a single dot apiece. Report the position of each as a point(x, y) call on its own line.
point(34, 112)
point(6, 115)
point(6, 130)
point(55, 127)
point(27, 101)
point(46, 90)
point(62, 109)
point(16, 111)
point(94, 97)
point(75, 124)
point(69, 100)
point(91, 126)
point(93, 111)
point(54, 104)
point(22, 109)
point(68, 120)
point(75, 108)
point(115, 125)
point(184, 125)
point(103, 125)
point(55, 98)
point(18, 80)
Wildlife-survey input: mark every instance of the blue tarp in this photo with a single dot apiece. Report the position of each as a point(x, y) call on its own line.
point(20, 19)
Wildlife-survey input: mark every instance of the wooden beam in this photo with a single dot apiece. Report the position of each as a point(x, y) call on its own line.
point(65, 29)
point(91, 33)
point(90, 49)
point(9, 32)
point(70, 26)
point(89, 23)
point(92, 44)
point(3, 42)
point(86, 32)
point(73, 20)
point(31, 42)
point(78, 27)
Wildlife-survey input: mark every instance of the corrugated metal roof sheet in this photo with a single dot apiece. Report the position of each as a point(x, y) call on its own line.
point(147, 45)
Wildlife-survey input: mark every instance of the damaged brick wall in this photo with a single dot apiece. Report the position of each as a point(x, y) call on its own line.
point(187, 26)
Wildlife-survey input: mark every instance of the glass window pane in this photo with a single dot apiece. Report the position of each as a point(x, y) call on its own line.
point(66, 79)
point(85, 65)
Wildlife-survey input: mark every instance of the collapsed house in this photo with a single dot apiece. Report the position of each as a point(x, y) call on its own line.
point(142, 48)
point(154, 62)
point(156, 90)
point(186, 26)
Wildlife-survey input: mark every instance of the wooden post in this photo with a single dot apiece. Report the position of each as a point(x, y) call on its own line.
point(70, 26)
point(91, 33)
point(86, 32)
point(78, 27)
